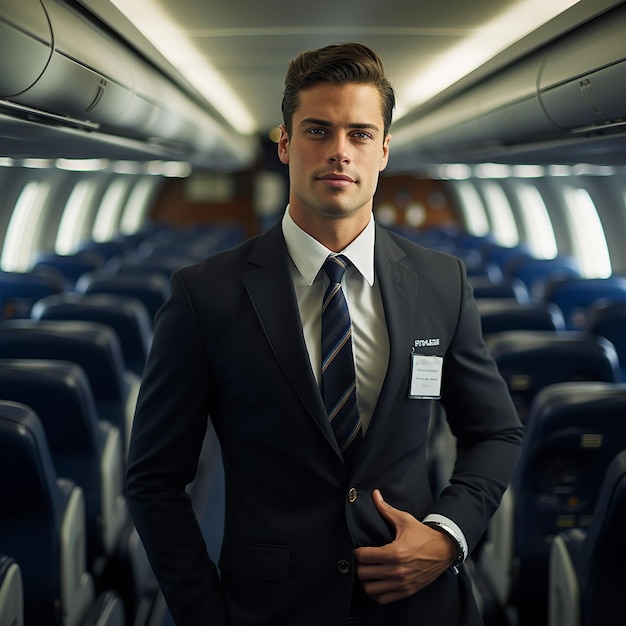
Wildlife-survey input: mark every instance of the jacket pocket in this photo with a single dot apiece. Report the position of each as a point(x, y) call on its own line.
point(250, 560)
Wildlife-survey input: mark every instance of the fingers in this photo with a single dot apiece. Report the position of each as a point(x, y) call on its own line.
point(397, 518)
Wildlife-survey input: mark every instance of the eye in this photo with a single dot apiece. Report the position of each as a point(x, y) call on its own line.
point(317, 131)
point(361, 134)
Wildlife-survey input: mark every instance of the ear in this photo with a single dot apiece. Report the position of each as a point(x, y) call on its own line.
point(283, 145)
point(385, 157)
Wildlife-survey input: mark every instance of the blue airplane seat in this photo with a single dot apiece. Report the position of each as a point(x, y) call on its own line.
point(71, 266)
point(509, 289)
point(531, 360)
point(93, 346)
point(213, 238)
point(574, 296)
point(116, 248)
point(503, 256)
point(20, 290)
point(152, 288)
point(11, 592)
point(537, 273)
point(160, 264)
point(608, 319)
point(126, 315)
point(573, 432)
point(587, 579)
point(195, 242)
point(502, 315)
point(42, 526)
point(84, 449)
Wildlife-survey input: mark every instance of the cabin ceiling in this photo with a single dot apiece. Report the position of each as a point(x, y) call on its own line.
point(250, 44)
point(251, 47)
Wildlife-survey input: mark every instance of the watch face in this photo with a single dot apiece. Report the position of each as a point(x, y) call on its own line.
point(460, 552)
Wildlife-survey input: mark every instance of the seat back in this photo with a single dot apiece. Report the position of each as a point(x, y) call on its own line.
point(537, 273)
point(573, 432)
point(152, 288)
point(160, 264)
point(93, 346)
point(602, 576)
point(124, 314)
point(532, 360)
point(20, 290)
point(497, 316)
point(108, 250)
point(574, 296)
point(513, 289)
point(59, 393)
point(608, 320)
point(40, 522)
point(71, 266)
point(505, 258)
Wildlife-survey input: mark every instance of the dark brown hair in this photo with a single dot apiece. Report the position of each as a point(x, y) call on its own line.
point(340, 64)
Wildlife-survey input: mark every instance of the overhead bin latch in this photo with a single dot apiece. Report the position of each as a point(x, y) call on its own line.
point(98, 96)
point(587, 92)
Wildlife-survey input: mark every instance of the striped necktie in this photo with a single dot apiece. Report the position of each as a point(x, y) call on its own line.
point(338, 374)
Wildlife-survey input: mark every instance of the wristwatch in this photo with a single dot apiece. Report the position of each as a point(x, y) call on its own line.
point(460, 548)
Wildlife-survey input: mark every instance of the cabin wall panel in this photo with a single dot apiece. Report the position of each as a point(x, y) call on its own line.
point(402, 191)
point(175, 206)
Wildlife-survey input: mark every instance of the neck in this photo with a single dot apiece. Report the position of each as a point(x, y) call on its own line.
point(335, 233)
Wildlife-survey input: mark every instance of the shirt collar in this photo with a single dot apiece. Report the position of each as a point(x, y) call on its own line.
point(309, 255)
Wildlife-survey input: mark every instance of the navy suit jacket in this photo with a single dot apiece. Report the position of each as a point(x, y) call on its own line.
point(229, 345)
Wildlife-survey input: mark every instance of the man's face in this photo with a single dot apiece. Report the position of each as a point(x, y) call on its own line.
point(335, 152)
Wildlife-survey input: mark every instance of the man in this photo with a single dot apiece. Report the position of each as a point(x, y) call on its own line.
point(322, 528)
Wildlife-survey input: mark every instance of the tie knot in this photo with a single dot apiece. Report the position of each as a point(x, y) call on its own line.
point(335, 267)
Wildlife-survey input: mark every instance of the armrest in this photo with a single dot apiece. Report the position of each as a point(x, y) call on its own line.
point(114, 510)
point(11, 592)
point(134, 383)
point(496, 558)
point(77, 587)
point(564, 588)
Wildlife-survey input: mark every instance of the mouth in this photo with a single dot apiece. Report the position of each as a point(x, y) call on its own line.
point(338, 181)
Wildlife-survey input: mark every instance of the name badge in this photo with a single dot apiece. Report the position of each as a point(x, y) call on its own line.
point(426, 373)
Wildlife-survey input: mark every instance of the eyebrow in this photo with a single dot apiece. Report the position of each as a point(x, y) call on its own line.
point(318, 122)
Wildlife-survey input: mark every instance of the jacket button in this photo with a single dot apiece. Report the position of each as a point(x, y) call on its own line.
point(343, 567)
point(352, 495)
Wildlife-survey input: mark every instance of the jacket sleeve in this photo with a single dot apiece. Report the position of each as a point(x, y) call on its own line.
point(168, 431)
point(484, 421)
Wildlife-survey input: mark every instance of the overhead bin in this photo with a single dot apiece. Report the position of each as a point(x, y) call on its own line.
point(25, 34)
point(573, 86)
point(582, 82)
point(61, 66)
point(502, 109)
point(86, 75)
point(508, 109)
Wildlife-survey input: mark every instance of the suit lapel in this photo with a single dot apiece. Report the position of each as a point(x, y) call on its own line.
point(270, 287)
point(398, 287)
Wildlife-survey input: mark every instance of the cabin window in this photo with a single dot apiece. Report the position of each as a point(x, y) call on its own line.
point(21, 236)
point(106, 224)
point(537, 223)
point(473, 209)
point(135, 210)
point(588, 236)
point(74, 219)
point(503, 224)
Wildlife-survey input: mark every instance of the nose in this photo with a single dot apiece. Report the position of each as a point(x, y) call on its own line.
point(339, 151)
